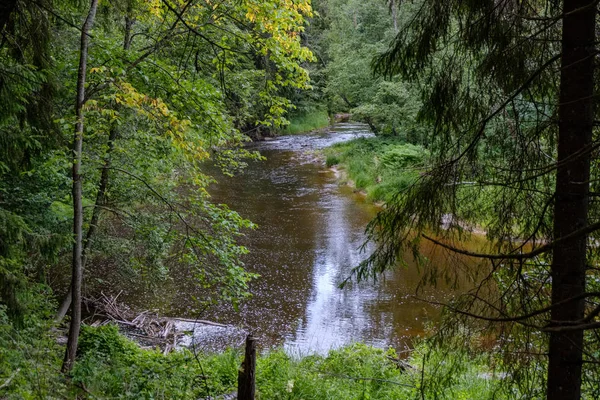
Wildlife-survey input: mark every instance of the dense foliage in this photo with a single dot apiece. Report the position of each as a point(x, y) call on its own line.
point(155, 113)
point(509, 90)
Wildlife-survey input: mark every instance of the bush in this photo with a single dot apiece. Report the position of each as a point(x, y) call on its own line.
point(110, 365)
point(30, 357)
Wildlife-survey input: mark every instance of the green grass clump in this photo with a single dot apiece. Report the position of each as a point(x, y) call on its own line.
point(380, 166)
point(356, 372)
point(307, 122)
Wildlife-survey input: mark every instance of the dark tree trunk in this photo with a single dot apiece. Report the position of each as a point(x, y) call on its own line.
point(77, 272)
point(129, 21)
point(576, 114)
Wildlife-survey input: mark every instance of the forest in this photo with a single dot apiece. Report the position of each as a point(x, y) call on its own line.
point(395, 198)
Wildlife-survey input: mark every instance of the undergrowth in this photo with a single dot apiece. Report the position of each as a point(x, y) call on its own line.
point(110, 366)
point(30, 357)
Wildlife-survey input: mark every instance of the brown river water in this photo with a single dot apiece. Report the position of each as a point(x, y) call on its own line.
point(310, 230)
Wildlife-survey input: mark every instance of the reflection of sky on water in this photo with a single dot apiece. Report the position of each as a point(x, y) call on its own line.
point(309, 233)
point(335, 316)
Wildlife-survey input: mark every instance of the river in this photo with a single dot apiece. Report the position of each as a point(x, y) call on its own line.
point(309, 235)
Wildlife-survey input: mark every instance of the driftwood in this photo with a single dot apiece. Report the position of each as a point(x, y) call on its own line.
point(201, 321)
point(145, 327)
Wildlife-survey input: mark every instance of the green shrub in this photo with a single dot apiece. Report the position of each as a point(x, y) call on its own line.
point(30, 357)
point(110, 365)
point(403, 156)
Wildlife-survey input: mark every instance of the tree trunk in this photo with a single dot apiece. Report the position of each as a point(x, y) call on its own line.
point(76, 278)
point(100, 201)
point(100, 197)
point(576, 114)
point(394, 7)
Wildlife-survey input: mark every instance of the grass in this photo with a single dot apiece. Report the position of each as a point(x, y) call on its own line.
point(111, 366)
point(379, 166)
point(306, 123)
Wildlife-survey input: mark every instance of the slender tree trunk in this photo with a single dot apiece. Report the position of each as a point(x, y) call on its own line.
point(100, 201)
point(576, 114)
point(394, 7)
point(75, 325)
point(103, 186)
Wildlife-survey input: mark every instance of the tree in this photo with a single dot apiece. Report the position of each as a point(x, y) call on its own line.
point(509, 90)
point(155, 97)
point(354, 33)
point(77, 272)
point(31, 235)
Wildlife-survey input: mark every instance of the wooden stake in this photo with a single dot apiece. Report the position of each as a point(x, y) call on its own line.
point(246, 373)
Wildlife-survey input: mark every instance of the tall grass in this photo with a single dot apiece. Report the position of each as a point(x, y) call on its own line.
point(111, 366)
point(379, 166)
point(307, 122)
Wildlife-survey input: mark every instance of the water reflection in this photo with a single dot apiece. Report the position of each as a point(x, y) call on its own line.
point(309, 235)
point(334, 316)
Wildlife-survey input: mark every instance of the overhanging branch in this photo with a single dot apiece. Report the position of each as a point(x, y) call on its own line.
point(521, 256)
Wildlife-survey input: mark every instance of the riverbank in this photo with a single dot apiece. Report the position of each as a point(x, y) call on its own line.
point(111, 366)
point(308, 122)
point(379, 167)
